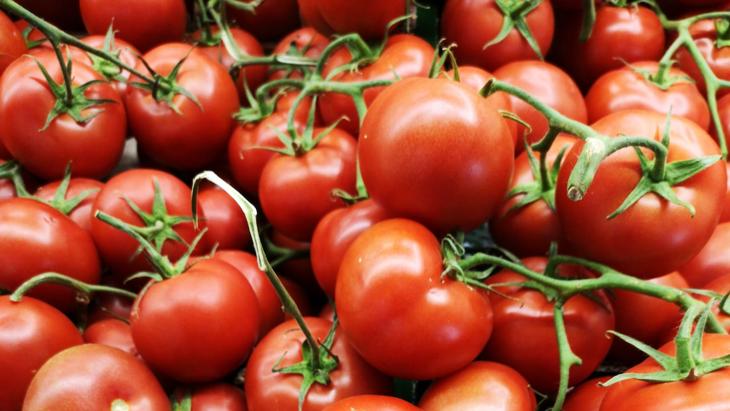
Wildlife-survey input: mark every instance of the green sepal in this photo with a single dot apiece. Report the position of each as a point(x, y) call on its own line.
point(165, 88)
point(724, 304)
point(183, 404)
point(722, 28)
point(156, 277)
point(30, 44)
point(11, 170)
point(515, 12)
point(662, 79)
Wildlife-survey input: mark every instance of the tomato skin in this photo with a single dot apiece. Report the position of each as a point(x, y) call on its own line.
point(12, 44)
point(712, 261)
point(524, 331)
point(219, 396)
point(127, 54)
point(529, 230)
point(471, 24)
point(587, 396)
point(725, 217)
point(652, 237)
point(308, 42)
point(35, 238)
point(270, 391)
point(93, 376)
point(404, 56)
point(80, 215)
point(706, 392)
point(25, 102)
point(394, 268)
point(481, 385)
point(272, 19)
point(113, 333)
point(31, 331)
point(144, 23)
point(171, 324)
point(224, 219)
point(550, 85)
point(417, 123)
point(334, 234)
point(369, 19)
point(296, 192)
point(625, 89)
point(371, 403)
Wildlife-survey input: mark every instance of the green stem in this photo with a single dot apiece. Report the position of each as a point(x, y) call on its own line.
point(358, 47)
point(666, 62)
point(566, 354)
point(67, 83)
point(61, 279)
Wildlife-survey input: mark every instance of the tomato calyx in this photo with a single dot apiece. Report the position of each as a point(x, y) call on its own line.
point(722, 29)
point(84, 290)
point(106, 68)
point(184, 403)
point(515, 13)
point(542, 187)
point(165, 88)
point(663, 79)
point(59, 201)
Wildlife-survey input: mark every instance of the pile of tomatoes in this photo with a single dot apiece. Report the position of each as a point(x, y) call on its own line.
point(280, 205)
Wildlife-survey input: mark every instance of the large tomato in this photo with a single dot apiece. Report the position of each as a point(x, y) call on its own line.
point(418, 324)
point(305, 41)
point(195, 133)
point(31, 331)
point(270, 21)
point(81, 214)
point(524, 330)
point(224, 219)
point(12, 44)
point(712, 261)
point(267, 390)
point(371, 403)
point(587, 396)
point(367, 18)
point(652, 237)
point(480, 385)
point(471, 24)
point(111, 332)
point(94, 376)
point(127, 54)
point(434, 151)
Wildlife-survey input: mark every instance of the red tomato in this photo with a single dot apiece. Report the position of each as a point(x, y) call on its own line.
point(524, 330)
point(471, 24)
point(81, 214)
point(481, 385)
point(94, 147)
point(197, 135)
point(418, 324)
point(723, 110)
point(334, 234)
point(432, 150)
point(652, 237)
point(113, 333)
point(712, 261)
point(127, 54)
point(12, 44)
point(226, 222)
point(305, 41)
point(36, 238)
point(625, 89)
point(94, 376)
point(144, 23)
point(404, 56)
point(725, 217)
point(220, 396)
point(271, 20)
point(718, 58)
point(371, 403)
point(369, 19)
point(31, 331)
point(587, 396)
point(172, 328)
point(550, 85)
point(281, 347)
point(296, 191)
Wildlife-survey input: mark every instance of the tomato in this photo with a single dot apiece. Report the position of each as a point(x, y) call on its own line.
point(723, 110)
point(625, 89)
point(305, 41)
point(31, 331)
point(620, 35)
point(128, 54)
point(524, 331)
point(471, 24)
point(220, 396)
point(26, 100)
point(334, 234)
point(94, 376)
point(12, 44)
point(718, 58)
point(119, 250)
point(529, 230)
point(550, 85)
point(704, 392)
point(587, 396)
point(403, 56)
point(281, 347)
point(144, 23)
point(432, 150)
point(652, 237)
point(481, 385)
point(225, 221)
point(712, 261)
point(268, 302)
point(81, 214)
point(113, 333)
point(271, 20)
point(296, 191)
point(36, 238)
point(369, 19)
point(631, 318)
point(197, 135)
point(371, 403)
point(418, 324)
point(172, 328)
point(725, 217)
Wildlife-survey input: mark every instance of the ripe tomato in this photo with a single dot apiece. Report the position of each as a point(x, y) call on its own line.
point(652, 237)
point(371, 403)
point(220, 396)
point(550, 85)
point(81, 214)
point(394, 268)
point(296, 191)
point(587, 396)
point(224, 219)
point(26, 100)
point(524, 329)
point(404, 56)
point(305, 41)
point(94, 376)
point(712, 261)
point(12, 44)
point(369, 19)
point(144, 23)
point(127, 54)
point(172, 328)
point(31, 331)
point(718, 58)
point(481, 385)
point(625, 89)
point(471, 24)
point(271, 20)
point(36, 238)
point(267, 390)
point(434, 151)
point(112, 333)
